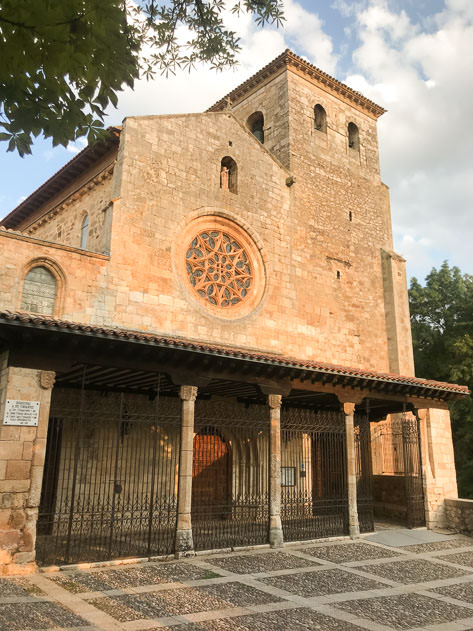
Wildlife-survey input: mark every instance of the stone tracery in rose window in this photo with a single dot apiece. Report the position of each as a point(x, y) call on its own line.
point(218, 268)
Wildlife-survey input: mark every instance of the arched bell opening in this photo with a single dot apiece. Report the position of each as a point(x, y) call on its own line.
point(255, 124)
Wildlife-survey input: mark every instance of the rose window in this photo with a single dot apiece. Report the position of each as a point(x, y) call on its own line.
point(219, 268)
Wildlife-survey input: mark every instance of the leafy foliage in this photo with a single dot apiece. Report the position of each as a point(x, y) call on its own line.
point(63, 62)
point(442, 331)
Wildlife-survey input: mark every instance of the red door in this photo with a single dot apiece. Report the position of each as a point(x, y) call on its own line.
point(210, 475)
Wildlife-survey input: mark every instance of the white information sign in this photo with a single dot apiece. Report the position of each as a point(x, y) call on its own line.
point(21, 413)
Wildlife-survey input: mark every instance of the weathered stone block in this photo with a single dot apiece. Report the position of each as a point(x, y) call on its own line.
point(14, 486)
point(9, 539)
point(11, 450)
point(18, 470)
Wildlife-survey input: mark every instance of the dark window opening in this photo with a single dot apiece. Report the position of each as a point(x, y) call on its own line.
point(338, 274)
point(256, 125)
point(228, 174)
point(350, 216)
point(320, 118)
point(353, 137)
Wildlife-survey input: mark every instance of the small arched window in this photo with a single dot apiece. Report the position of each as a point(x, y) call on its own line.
point(320, 118)
point(353, 137)
point(256, 125)
point(84, 232)
point(228, 174)
point(39, 291)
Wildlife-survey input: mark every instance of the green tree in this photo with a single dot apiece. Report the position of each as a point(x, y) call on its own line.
point(442, 332)
point(63, 61)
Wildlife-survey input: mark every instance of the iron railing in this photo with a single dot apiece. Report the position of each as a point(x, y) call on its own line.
point(110, 478)
point(314, 500)
point(230, 500)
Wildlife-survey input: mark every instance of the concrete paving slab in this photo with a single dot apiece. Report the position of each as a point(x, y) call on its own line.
point(399, 537)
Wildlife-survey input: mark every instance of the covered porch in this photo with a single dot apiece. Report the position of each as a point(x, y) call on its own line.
point(159, 446)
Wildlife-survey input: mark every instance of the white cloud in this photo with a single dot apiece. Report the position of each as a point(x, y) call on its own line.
point(195, 91)
point(426, 81)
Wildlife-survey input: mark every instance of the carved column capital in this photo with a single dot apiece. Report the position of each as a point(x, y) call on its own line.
point(348, 408)
point(47, 379)
point(274, 401)
point(188, 393)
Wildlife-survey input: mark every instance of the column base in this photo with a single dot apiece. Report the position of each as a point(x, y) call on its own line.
point(184, 545)
point(354, 531)
point(276, 538)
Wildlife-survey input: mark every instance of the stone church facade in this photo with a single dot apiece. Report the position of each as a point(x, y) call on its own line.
point(210, 314)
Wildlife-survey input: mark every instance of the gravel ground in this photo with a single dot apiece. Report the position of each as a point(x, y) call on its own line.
point(439, 545)
point(182, 601)
point(344, 553)
point(262, 562)
point(408, 606)
point(321, 583)
point(18, 587)
point(42, 615)
point(462, 558)
point(144, 574)
point(463, 591)
point(413, 571)
point(285, 620)
point(405, 611)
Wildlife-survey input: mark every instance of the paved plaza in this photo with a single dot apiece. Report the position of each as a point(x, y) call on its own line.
point(421, 581)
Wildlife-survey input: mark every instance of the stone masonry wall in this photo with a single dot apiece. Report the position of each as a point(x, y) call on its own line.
point(320, 240)
point(81, 276)
point(60, 218)
point(272, 100)
point(343, 221)
point(438, 465)
point(459, 515)
point(22, 451)
point(65, 226)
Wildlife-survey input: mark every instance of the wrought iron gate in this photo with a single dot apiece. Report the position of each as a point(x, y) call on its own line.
point(110, 478)
point(230, 501)
point(397, 470)
point(413, 471)
point(314, 500)
point(364, 477)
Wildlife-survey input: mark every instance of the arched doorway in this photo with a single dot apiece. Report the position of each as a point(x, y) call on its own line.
point(211, 475)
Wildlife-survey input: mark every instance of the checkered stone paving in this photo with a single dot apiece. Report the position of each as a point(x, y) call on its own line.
point(462, 558)
point(285, 620)
point(339, 586)
point(261, 562)
point(18, 587)
point(462, 591)
point(413, 571)
point(405, 611)
point(321, 583)
point(182, 601)
point(346, 552)
point(439, 546)
point(136, 576)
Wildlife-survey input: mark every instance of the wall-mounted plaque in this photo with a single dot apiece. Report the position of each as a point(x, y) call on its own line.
point(21, 413)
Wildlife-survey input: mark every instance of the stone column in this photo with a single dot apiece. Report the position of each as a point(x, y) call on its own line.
point(22, 451)
point(184, 544)
point(275, 526)
point(354, 526)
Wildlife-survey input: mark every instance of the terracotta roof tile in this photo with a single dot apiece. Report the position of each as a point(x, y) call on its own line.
point(288, 59)
point(228, 351)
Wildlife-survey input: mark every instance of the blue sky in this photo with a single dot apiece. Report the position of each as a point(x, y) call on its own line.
point(414, 57)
